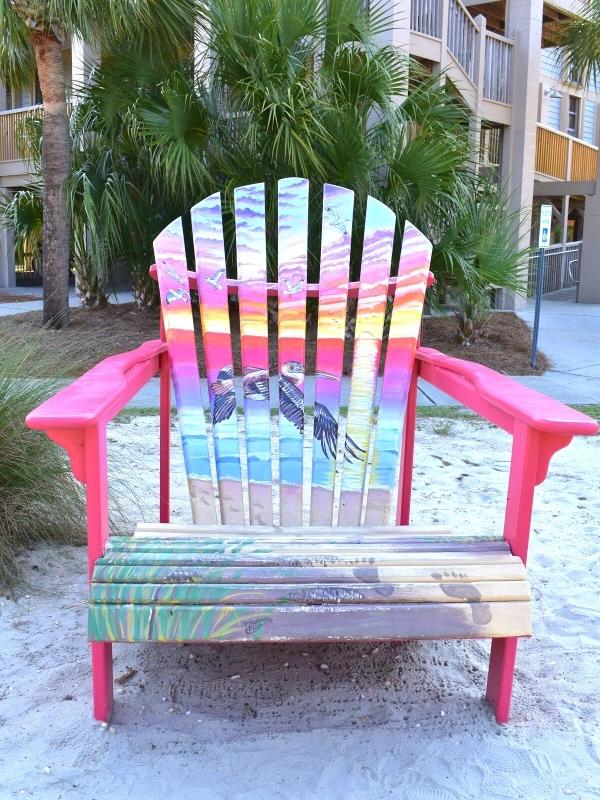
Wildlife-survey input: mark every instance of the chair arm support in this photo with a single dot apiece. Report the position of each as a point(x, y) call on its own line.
point(76, 419)
point(499, 398)
point(86, 406)
point(539, 425)
point(98, 395)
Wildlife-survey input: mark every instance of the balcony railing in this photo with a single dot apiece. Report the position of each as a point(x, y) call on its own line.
point(425, 17)
point(9, 125)
point(564, 157)
point(497, 77)
point(561, 268)
point(462, 30)
point(484, 57)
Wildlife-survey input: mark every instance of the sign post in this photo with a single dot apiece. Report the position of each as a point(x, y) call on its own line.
point(543, 243)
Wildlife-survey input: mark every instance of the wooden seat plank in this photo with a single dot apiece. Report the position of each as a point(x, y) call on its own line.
point(506, 571)
point(166, 545)
point(251, 544)
point(269, 623)
point(309, 594)
point(299, 559)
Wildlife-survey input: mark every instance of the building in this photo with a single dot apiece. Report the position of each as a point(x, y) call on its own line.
point(537, 132)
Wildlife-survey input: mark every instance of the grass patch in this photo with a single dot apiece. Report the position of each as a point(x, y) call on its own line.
point(39, 500)
point(592, 410)
point(444, 412)
point(127, 414)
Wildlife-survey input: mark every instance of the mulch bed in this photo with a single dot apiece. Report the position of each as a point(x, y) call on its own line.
point(505, 347)
point(99, 332)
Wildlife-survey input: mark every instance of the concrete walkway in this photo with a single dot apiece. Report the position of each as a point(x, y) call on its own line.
point(20, 307)
point(570, 336)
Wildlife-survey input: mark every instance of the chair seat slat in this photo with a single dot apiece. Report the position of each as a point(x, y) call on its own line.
point(197, 623)
point(419, 573)
point(309, 593)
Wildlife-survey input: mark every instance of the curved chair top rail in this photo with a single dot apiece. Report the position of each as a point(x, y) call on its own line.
point(312, 289)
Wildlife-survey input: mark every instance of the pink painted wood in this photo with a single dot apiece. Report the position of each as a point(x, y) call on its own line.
point(96, 470)
point(408, 449)
point(165, 434)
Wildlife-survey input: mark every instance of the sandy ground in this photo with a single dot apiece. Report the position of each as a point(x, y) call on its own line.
point(271, 722)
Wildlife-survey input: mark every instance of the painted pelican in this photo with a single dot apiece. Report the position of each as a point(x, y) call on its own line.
point(255, 382)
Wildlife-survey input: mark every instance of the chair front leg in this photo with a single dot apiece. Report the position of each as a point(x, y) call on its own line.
point(96, 480)
point(408, 448)
point(517, 523)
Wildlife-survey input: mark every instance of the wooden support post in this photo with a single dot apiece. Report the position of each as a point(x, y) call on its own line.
point(165, 439)
point(408, 447)
point(517, 523)
point(96, 479)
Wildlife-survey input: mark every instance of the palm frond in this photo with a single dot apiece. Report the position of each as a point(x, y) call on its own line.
point(580, 44)
point(17, 60)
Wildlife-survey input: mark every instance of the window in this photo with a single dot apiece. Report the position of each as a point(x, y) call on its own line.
point(553, 112)
point(573, 118)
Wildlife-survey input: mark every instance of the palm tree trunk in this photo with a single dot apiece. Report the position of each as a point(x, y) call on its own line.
point(56, 165)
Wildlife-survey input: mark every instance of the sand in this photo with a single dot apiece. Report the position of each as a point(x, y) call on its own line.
point(338, 721)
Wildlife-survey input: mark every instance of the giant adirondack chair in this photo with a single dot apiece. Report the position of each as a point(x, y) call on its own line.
point(312, 544)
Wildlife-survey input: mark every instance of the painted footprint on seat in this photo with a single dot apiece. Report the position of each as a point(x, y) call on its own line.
point(481, 612)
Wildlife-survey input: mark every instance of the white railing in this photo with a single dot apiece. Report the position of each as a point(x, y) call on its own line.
point(561, 268)
point(425, 17)
point(497, 76)
point(461, 36)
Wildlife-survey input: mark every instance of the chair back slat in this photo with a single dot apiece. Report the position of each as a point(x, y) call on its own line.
point(353, 458)
point(402, 341)
point(207, 229)
point(252, 274)
point(370, 315)
point(336, 237)
point(292, 245)
point(169, 249)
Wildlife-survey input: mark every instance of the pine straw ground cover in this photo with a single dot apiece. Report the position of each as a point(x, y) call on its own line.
point(99, 332)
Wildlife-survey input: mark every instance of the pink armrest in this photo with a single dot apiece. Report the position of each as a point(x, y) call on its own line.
point(500, 398)
point(101, 392)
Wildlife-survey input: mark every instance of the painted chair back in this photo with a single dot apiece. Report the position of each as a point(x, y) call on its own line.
point(321, 475)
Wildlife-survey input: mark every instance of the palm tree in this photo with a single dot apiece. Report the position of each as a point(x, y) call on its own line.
point(32, 34)
point(286, 87)
point(580, 43)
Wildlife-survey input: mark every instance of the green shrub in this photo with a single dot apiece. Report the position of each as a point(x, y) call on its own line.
point(39, 500)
